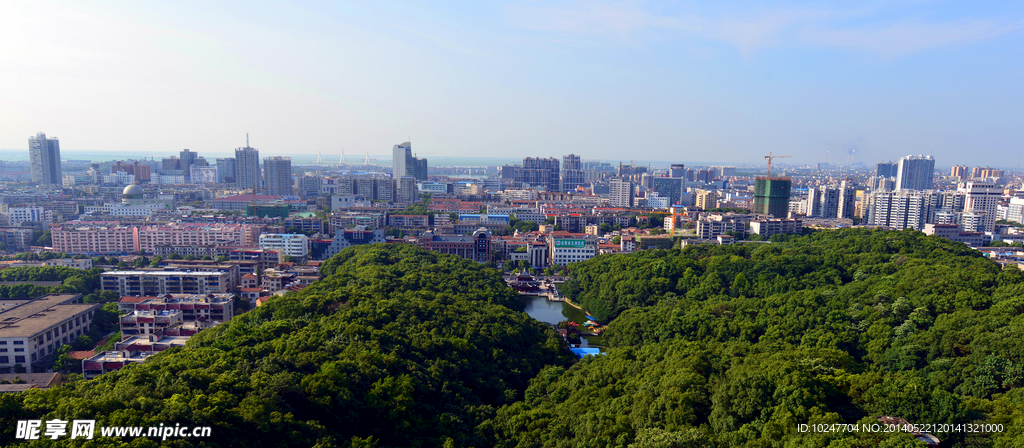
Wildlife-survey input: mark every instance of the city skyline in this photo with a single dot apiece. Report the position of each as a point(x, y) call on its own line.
point(817, 82)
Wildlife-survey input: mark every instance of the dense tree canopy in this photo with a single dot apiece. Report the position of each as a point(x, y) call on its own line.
point(74, 280)
point(711, 346)
point(736, 345)
point(396, 346)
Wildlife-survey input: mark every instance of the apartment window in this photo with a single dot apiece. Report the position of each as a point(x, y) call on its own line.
point(3, 342)
point(4, 360)
point(19, 359)
point(19, 342)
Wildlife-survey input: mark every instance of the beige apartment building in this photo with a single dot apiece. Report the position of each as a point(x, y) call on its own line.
point(94, 239)
point(199, 234)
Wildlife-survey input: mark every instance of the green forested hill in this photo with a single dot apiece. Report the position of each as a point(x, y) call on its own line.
point(399, 347)
point(714, 346)
point(737, 345)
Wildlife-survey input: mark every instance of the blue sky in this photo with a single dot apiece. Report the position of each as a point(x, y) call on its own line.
point(615, 80)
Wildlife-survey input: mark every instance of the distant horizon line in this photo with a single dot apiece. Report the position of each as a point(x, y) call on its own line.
point(378, 158)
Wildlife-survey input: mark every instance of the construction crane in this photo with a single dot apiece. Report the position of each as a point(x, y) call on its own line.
point(770, 157)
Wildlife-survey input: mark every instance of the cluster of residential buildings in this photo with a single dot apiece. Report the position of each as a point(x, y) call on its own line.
point(152, 324)
point(236, 227)
point(188, 206)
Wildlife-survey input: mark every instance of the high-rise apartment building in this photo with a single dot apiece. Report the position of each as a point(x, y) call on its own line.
point(677, 170)
point(847, 201)
point(171, 163)
point(44, 154)
point(722, 172)
point(405, 190)
point(886, 169)
point(405, 164)
point(401, 159)
point(278, 175)
point(915, 173)
point(669, 187)
point(187, 158)
point(508, 172)
point(247, 168)
point(140, 171)
point(620, 193)
point(912, 209)
point(771, 196)
point(226, 170)
point(538, 173)
point(959, 172)
point(572, 172)
point(983, 172)
point(705, 176)
point(823, 202)
point(707, 199)
point(904, 209)
point(831, 201)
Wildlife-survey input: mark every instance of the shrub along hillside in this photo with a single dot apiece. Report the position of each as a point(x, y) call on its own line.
point(395, 347)
point(736, 345)
point(74, 281)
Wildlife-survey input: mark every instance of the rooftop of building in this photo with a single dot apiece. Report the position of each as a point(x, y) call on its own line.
point(81, 354)
point(37, 315)
point(165, 273)
point(248, 198)
point(176, 341)
point(41, 380)
point(120, 356)
point(178, 298)
point(6, 304)
point(152, 313)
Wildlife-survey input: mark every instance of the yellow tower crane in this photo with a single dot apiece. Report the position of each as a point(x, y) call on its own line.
point(770, 157)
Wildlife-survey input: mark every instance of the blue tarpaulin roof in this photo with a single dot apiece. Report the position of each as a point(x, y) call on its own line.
point(584, 351)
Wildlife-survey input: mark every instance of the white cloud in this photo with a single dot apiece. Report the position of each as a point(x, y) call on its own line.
point(630, 22)
point(909, 36)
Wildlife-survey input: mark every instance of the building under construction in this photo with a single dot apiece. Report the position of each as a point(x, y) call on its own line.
point(771, 196)
point(771, 193)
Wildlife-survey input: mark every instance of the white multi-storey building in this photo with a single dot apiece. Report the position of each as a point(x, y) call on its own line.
point(981, 199)
point(295, 245)
point(119, 178)
point(1015, 211)
point(158, 283)
point(620, 193)
point(44, 154)
point(19, 215)
point(565, 250)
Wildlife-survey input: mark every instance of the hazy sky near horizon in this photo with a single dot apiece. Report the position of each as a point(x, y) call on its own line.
point(613, 80)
